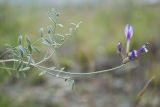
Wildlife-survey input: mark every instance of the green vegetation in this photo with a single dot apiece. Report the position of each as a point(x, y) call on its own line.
point(97, 37)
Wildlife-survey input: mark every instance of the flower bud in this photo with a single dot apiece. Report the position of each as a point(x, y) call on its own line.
point(128, 32)
point(119, 47)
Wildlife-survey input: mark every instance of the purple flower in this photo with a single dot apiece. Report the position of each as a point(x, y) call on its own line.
point(119, 47)
point(142, 49)
point(133, 55)
point(128, 32)
point(130, 55)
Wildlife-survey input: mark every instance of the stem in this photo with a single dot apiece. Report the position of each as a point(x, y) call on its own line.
point(128, 45)
point(8, 60)
point(63, 74)
point(46, 58)
point(7, 68)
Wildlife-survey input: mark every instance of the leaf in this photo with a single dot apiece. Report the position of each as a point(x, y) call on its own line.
point(46, 42)
point(28, 40)
point(35, 49)
point(77, 26)
point(41, 32)
point(57, 14)
point(20, 40)
point(67, 35)
point(21, 50)
point(52, 20)
point(50, 29)
point(20, 65)
point(73, 24)
point(52, 68)
point(62, 69)
point(42, 73)
point(30, 48)
point(29, 60)
point(60, 25)
point(70, 30)
point(24, 69)
point(70, 83)
point(55, 44)
point(60, 35)
point(32, 61)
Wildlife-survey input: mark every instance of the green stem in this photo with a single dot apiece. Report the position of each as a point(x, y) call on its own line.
point(64, 74)
point(7, 68)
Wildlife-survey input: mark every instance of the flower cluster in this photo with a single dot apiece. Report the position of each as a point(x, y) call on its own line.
point(130, 55)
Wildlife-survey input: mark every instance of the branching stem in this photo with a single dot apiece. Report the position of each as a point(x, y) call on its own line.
point(63, 74)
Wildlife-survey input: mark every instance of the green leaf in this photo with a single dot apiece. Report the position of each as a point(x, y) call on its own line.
point(20, 65)
point(41, 32)
point(28, 40)
point(24, 69)
point(18, 51)
point(29, 60)
point(30, 48)
point(32, 61)
point(42, 73)
point(60, 25)
point(46, 42)
point(52, 68)
point(70, 83)
point(35, 49)
point(50, 29)
point(21, 50)
point(20, 40)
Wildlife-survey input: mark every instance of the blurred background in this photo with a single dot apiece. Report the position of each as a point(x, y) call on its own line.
point(93, 47)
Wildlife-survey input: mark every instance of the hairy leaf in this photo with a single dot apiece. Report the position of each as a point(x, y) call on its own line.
point(20, 40)
point(46, 42)
point(25, 69)
point(35, 49)
point(41, 32)
point(28, 40)
point(42, 73)
point(70, 83)
point(20, 65)
point(30, 48)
